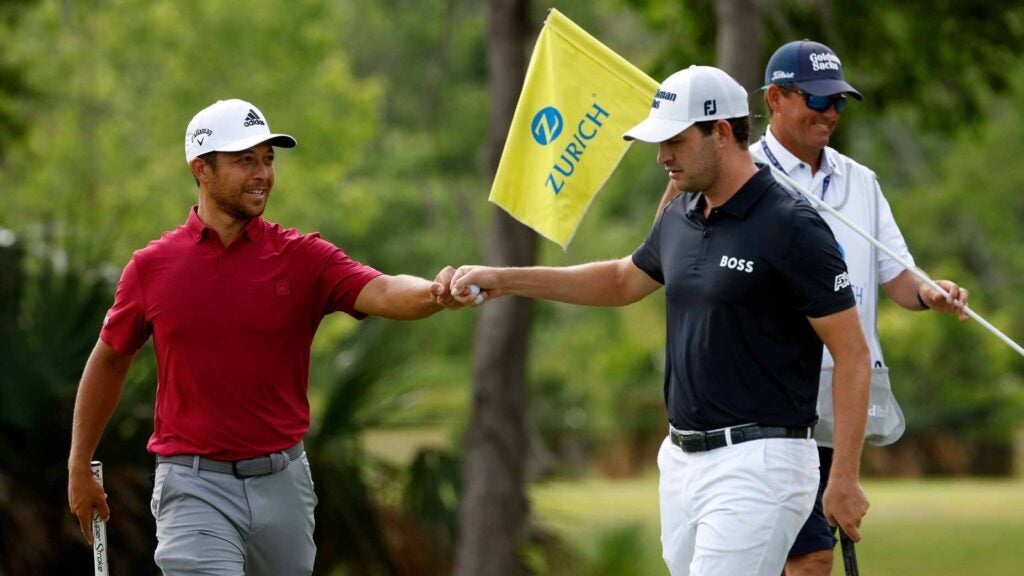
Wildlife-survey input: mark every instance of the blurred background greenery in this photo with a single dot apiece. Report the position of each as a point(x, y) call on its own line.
point(389, 101)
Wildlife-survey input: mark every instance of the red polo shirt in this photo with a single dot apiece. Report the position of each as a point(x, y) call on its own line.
point(232, 328)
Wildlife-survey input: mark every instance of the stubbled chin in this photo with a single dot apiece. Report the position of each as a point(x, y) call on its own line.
point(255, 206)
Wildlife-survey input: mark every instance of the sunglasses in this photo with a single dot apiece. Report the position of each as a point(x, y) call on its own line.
point(823, 103)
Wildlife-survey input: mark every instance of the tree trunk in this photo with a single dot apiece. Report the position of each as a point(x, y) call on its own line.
point(493, 512)
point(740, 42)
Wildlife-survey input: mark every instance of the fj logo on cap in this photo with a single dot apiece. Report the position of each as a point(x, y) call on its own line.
point(253, 118)
point(710, 107)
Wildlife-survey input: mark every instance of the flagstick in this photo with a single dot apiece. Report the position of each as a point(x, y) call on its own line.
point(920, 274)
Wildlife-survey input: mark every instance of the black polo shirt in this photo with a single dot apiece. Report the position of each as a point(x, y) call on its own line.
point(739, 287)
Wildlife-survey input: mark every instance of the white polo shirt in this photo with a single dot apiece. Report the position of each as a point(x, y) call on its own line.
point(853, 190)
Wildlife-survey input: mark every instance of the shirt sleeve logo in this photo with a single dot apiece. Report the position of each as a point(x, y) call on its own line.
point(842, 281)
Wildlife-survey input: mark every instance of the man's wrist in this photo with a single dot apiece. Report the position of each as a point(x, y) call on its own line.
point(844, 476)
point(77, 466)
point(924, 305)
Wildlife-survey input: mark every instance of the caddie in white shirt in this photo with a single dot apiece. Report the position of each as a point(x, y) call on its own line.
point(806, 92)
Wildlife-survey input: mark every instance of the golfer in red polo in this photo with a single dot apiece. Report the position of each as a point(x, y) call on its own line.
point(232, 302)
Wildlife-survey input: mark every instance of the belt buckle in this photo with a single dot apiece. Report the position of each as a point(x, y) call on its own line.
point(740, 433)
point(279, 461)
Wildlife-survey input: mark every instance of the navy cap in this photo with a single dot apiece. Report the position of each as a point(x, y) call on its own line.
point(812, 66)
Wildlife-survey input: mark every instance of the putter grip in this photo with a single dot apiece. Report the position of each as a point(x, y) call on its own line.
point(99, 530)
point(849, 555)
point(476, 292)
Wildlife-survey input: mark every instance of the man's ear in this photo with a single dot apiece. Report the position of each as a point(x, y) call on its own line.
point(723, 132)
point(200, 169)
point(772, 96)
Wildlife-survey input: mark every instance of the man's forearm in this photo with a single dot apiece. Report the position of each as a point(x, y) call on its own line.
point(98, 395)
point(850, 393)
point(410, 298)
point(903, 289)
point(593, 284)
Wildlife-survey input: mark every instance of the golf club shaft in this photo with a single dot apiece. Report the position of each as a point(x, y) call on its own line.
point(920, 274)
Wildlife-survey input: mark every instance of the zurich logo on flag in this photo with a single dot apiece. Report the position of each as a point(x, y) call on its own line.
point(547, 125)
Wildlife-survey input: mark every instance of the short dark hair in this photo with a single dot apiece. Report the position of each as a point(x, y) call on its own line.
point(209, 158)
point(740, 129)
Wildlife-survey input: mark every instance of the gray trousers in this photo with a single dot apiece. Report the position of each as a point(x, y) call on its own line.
point(216, 524)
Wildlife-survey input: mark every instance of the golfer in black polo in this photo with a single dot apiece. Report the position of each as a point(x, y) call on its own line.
point(754, 285)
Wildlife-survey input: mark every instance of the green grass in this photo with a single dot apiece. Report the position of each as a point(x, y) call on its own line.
point(914, 528)
point(948, 527)
point(399, 446)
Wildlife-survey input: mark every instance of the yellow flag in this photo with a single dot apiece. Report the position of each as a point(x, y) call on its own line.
point(566, 136)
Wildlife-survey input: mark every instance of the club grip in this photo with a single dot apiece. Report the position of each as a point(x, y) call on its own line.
point(99, 530)
point(476, 292)
point(849, 555)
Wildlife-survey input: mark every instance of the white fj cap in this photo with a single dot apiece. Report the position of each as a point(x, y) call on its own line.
point(229, 126)
point(695, 94)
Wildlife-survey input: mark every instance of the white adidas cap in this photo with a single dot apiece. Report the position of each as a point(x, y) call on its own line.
point(695, 94)
point(230, 126)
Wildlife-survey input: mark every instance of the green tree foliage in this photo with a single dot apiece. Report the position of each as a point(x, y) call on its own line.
point(353, 527)
point(389, 103)
point(937, 56)
point(13, 90)
point(53, 300)
point(965, 226)
point(122, 79)
point(102, 170)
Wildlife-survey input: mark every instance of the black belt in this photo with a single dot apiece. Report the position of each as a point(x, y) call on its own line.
point(259, 466)
point(704, 441)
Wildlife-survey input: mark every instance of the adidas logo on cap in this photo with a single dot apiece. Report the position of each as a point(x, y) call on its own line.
point(253, 118)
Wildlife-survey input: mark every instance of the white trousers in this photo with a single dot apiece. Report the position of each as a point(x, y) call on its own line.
point(735, 510)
